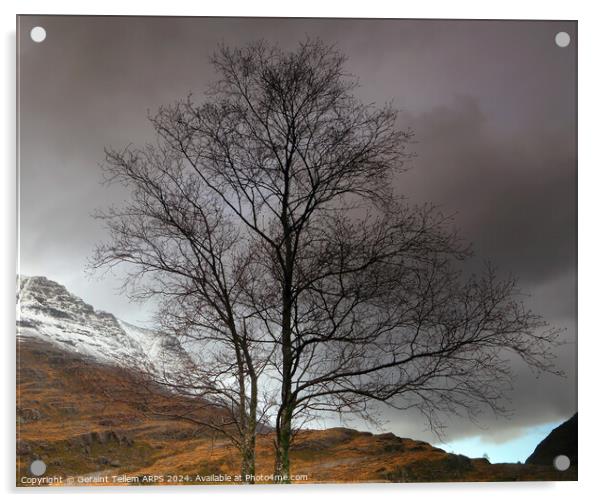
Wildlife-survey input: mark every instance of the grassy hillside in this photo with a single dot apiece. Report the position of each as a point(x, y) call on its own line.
point(83, 420)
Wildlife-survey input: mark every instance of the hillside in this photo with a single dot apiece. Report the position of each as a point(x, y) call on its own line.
point(68, 417)
point(561, 441)
point(47, 311)
point(83, 416)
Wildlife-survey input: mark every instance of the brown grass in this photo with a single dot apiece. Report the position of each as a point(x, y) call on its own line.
point(69, 416)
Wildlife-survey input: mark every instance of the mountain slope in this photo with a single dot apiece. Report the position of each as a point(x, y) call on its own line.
point(561, 441)
point(47, 311)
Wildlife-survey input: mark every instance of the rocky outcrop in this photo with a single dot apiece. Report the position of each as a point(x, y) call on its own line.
point(101, 437)
point(26, 415)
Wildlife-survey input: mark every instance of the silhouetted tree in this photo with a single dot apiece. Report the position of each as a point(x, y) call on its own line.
point(355, 296)
point(182, 249)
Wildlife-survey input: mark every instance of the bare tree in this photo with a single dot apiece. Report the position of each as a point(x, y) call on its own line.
point(356, 297)
point(181, 248)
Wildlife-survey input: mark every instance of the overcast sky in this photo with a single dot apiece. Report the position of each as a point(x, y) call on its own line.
point(493, 105)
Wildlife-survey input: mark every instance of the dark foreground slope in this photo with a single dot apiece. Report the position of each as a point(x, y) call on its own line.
point(561, 441)
point(81, 418)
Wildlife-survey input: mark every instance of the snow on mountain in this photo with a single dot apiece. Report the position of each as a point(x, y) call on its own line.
point(46, 310)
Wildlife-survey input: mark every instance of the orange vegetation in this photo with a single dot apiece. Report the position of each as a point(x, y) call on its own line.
point(83, 421)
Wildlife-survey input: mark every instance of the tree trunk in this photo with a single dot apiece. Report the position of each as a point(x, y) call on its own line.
point(284, 420)
point(285, 415)
point(248, 460)
point(251, 434)
point(282, 467)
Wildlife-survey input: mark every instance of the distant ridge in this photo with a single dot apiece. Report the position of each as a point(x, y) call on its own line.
point(47, 311)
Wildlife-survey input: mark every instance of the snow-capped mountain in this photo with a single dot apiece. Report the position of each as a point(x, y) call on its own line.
point(47, 311)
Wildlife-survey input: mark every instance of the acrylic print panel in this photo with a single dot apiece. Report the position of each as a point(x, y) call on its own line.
point(295, 251)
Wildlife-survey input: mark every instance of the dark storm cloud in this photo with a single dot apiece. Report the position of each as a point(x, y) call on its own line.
point(514, 195)
point(492, 103)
